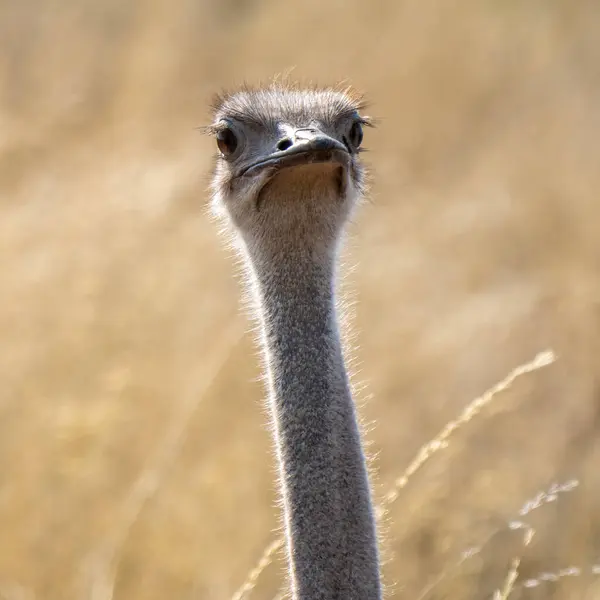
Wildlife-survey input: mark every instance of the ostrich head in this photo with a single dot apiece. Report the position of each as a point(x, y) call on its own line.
point(288, 163)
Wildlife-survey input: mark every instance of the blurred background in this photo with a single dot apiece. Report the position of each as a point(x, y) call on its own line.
point(134, 454)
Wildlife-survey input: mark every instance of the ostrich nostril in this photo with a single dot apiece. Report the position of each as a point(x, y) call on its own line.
point(284, 144)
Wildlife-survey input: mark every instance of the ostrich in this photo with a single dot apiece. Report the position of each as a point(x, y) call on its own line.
point(286, 180)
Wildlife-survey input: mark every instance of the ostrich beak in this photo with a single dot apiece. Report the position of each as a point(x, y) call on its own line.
point(307, 146)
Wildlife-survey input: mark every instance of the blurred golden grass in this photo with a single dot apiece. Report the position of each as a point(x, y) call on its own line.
point(123, 346)
point(439, 442)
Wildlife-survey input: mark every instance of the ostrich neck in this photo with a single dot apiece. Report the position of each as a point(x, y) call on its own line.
point(330, 528)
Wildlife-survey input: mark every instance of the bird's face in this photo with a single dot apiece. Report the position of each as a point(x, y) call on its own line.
point(287, 161)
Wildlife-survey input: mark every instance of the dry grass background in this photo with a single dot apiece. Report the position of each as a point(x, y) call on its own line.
point(133, 446)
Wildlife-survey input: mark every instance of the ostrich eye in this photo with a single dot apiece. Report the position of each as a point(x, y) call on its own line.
point(227, 141)
point(355, 135)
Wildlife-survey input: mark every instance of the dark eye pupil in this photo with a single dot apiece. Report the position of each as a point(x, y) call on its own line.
point(227, 142)
point(356, 135)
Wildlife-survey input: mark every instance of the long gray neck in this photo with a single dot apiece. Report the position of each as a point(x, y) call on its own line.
point(330, 528)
